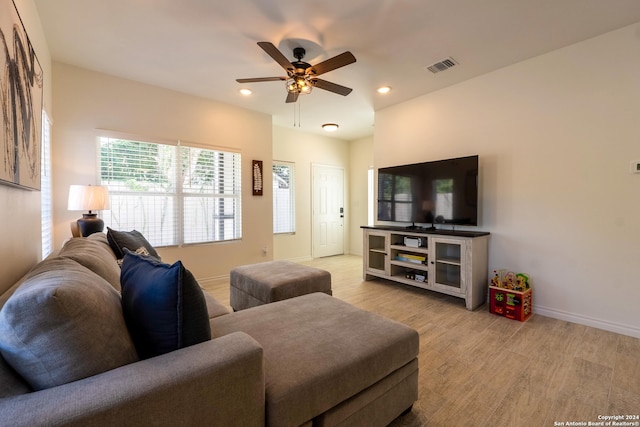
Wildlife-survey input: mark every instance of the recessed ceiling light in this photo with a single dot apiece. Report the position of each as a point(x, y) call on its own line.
point(330, 127)
point(246, 92)
point(384, 89)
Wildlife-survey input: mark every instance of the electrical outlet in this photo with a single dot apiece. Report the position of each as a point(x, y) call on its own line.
point(265, 250)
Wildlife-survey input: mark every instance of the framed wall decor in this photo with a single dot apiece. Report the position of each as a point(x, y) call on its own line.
point(257, 177)
point(21, 81)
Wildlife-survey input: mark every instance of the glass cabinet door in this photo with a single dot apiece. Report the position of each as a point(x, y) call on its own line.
point(447, 260)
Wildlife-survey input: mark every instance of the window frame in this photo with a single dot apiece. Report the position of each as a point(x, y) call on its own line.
point(291, 213)
point(181, 193)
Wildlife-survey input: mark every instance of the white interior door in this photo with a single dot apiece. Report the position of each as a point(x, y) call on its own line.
point(328, 210)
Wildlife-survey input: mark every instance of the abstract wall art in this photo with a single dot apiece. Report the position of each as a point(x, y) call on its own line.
point(21, 94)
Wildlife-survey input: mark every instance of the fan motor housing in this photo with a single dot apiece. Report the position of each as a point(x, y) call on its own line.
point(298, 53)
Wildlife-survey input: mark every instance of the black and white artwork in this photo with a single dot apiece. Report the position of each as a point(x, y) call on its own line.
point(20, 103)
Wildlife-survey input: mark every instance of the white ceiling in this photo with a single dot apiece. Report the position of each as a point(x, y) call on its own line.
point(200, 47)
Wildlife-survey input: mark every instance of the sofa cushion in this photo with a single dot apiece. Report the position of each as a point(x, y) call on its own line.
point(62, 324)
point(164, 307)
point(132, 240)
point(319, 351)
point(94, 254)
point(11, 383)
point(214, 307)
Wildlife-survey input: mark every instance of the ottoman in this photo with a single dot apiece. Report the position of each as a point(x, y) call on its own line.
point(262, 283)
point(328, 363)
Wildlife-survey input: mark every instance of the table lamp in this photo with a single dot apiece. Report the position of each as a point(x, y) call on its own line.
point(88, 198)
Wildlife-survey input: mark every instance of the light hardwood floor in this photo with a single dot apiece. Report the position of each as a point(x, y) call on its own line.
point(479, 369)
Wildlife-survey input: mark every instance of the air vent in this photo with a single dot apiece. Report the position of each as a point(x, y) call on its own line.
point(442, 65)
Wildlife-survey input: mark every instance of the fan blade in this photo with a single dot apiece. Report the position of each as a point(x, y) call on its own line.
point(261, 79)
point(292, 97)
point(332, 87)
point(331, 64)
point(277, 56)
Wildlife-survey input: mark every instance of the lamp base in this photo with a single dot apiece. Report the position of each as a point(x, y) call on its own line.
point(89, 224)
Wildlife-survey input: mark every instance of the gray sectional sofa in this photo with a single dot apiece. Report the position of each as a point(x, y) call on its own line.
point(312, 360)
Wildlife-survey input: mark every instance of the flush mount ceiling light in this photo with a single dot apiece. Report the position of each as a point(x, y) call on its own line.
point(246, 92)
point(330, 127)
point(384, 89)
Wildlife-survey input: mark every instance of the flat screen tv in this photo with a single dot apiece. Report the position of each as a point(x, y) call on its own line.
point(438, 192)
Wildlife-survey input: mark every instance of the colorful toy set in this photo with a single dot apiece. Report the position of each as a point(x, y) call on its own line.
point(510, 280)
point(511, 295)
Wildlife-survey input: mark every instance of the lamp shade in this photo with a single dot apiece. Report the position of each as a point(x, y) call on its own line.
point(88, 198)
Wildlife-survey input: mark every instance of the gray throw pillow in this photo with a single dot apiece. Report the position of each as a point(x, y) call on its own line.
point(64, 323)
point(132, 240)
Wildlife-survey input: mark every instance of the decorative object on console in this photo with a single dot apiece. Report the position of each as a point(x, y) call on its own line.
point(88, 198)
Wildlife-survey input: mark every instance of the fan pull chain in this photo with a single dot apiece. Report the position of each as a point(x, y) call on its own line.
point(294, 113)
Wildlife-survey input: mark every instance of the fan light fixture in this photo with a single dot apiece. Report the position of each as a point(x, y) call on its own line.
point(301, 85)
point(246, 92)
point(330, 127)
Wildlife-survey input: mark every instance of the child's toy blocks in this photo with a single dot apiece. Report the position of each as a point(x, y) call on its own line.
point(509, 303)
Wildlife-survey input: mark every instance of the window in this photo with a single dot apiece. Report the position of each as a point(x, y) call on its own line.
point(46, 203)
point(370, 193)
point(284, 211)
point(172, 194)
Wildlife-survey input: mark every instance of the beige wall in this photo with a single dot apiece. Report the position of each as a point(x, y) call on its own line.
point(20, 246)
point(87, 101)
point(305, 149)
point(556, 135)
point(361, 159)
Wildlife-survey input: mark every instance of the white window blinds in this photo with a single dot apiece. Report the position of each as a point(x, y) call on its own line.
point(46, 202)
point(172, 194)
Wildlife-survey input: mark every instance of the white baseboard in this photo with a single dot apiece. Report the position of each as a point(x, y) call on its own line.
point(588, 321)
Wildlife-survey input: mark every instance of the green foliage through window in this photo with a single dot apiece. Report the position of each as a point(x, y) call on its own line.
point(172, 194)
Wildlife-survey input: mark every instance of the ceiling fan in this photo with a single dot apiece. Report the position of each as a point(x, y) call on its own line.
point(302, 77)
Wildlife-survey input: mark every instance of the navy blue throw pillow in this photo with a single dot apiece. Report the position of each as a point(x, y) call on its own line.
point(163, 305)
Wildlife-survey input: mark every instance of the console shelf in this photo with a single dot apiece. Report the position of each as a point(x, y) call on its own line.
point(450, 262)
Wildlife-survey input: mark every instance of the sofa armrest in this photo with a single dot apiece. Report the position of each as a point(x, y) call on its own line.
point(217, 382)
